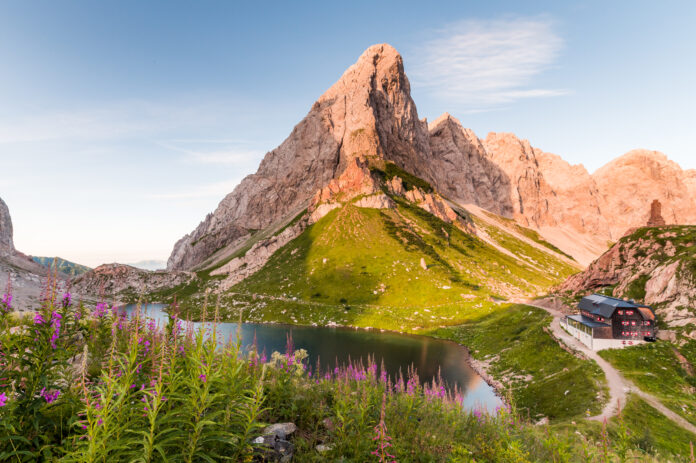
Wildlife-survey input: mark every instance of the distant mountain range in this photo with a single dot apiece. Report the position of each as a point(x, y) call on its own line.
point(149, 264)
point(64, 266)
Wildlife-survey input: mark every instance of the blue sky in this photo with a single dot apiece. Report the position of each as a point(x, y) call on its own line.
point(123, 123)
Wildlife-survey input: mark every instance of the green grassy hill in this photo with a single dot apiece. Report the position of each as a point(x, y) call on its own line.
point(399, 268)
point(362, 267)
point(64, 266)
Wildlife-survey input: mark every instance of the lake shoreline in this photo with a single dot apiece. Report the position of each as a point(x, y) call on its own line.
point(478, 366)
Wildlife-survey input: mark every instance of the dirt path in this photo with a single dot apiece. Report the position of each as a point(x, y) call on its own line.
point(619, 386)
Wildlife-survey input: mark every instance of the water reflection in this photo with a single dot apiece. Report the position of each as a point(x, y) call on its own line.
point(330, 346)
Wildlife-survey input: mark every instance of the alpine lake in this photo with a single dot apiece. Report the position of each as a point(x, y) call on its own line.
point(332, 346)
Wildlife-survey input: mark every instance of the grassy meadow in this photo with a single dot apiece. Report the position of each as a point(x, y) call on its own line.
point(91, 385)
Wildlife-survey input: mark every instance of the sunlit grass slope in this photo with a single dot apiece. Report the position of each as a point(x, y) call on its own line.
point(364, 267)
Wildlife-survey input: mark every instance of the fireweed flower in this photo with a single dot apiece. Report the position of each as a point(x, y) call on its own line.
point(411, 386)
point(55, 324)
point(67, 300)
point(49, 396)
point(38, 319)
point(7, 301)
point(202, 377)
point(100, 310)
point(3, 399)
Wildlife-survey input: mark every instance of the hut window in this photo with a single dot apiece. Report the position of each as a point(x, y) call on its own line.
point(646, 323)
point(629, 312)
point(620, 312)
point(633, 323)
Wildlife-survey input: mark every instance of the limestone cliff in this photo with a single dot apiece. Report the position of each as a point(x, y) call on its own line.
point(631, 182)
point(462, 169)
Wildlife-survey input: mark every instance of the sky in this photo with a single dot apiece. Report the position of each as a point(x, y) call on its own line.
point(123, 123)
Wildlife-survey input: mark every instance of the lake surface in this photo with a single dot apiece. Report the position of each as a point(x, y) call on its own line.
point(332, 345)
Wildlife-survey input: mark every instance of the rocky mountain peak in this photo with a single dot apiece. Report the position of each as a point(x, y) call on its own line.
point(367, 112)
point(372, 113)
point(6, 242)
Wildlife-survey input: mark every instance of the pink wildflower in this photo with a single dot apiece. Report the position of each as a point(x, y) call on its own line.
point(38, 319)
point(100, 310)
point(50, 397)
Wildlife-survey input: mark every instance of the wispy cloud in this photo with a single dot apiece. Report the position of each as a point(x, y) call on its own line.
point(483, 64)
point(231, 153)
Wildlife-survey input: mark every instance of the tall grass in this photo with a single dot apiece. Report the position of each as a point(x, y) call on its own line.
point(81, 385)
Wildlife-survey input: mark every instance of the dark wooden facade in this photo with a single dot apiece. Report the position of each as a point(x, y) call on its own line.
point(614, 318)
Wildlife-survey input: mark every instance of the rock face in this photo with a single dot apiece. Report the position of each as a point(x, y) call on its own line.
point(576, 211)
point(6, 243)
point(652, 265)
point(368, 112)
point(631, 182)
point(529, 191)
point(241, 267)
point(462, 169)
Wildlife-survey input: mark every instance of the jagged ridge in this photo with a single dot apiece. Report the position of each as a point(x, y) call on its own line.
point(369, 112)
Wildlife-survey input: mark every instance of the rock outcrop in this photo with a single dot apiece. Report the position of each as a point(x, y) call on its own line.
point(368, 112)
point(655, 219)
point(121, 283)
point(6, 242)
point(241, 267)
point(356, 180)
